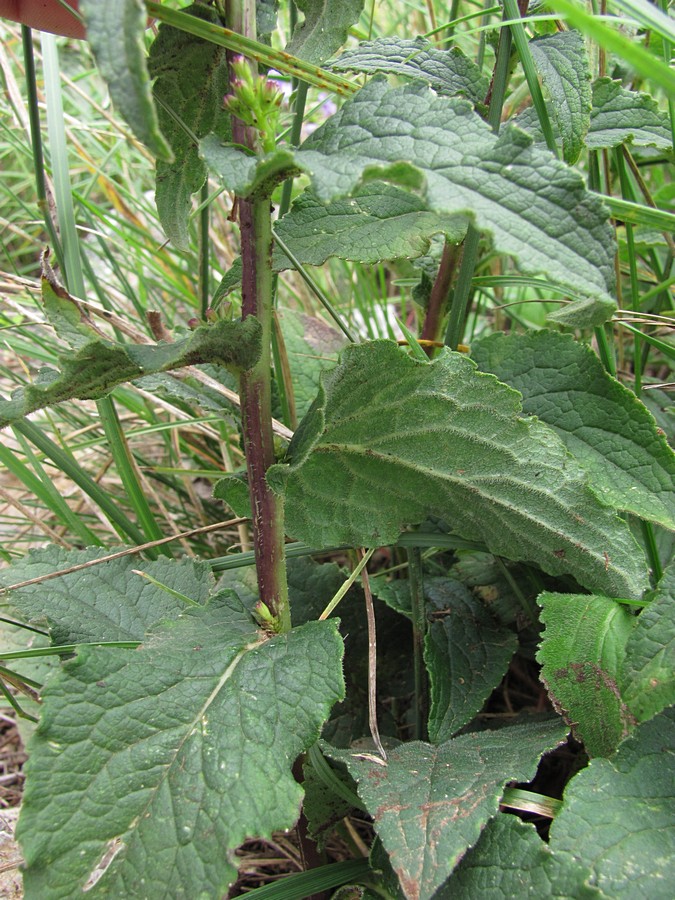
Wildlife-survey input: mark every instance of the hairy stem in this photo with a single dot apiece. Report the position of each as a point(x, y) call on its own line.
point(256, 385)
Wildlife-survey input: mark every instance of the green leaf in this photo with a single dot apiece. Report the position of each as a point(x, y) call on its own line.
point(324, 29)
point(446, 71)
point(380, 221)
point(150, 767)
point(535, 208)
point(105, 602)
point(511, 860)
point(430, 803)
point(100, 365)
point(391, 440)
point(582, 651)
point(562, 63)
point(648, 677)
point(442, 148)
point(466, 653)
point(191, 81)
point(617, 818)
point(620, 116)
point(245, 174)
point(233, 490)
point(603, 424)
point(312, 346)
point(115, 31)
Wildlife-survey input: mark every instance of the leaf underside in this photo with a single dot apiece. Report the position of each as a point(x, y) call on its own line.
point(391, 440)
point(150, 767)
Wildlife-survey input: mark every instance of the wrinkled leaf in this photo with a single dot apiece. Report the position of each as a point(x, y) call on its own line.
point(648, 678)
point(534, 207)
point(392, 440)
point(618, 816)
point(466, 653)
point(379, 222)
point(167, 757)
point(582, 651)
point(430, 803)
point(115, 31)
point(105, 602)
point(100, 365)
point(603, 424)
point(191, 81)
point(446, 71)
point(562, 63)
point(324, 29)
point(620, 116)
point(511, 860)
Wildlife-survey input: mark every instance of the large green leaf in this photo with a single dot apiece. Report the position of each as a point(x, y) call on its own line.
point(100, 365)
point(466, 653)
point(191, 81)
point(618, 816)
point(582, 651)
point(115, 31)
point(105, 602)
point(151, 766)
point(391, 440)
point(562, 63)
point(603, 424)
point(324, 29)
point(446, 71)
point(620, 116)
point(430, 803)
point(648, 677)
point(534, 207)
point(511, 860)
point(380, 221)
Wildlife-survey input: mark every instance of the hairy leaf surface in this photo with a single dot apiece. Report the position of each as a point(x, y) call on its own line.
point(648, 677)
point(618, 816)
point(105, 602)
point(100, 365)
point(562, 63)
point(325, 28)
point(582, 651)
point(115, 32)
point(391, 440)
point(466, 653)
point(430, 803)
point(150, 767)
point(511, 860)
point(380, 221)
point(534, 207)
point(191, 81)
point(446, 71)
point(620, 116)
point(603, 424)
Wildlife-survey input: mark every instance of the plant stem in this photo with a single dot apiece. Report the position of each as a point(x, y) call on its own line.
point(255, 388)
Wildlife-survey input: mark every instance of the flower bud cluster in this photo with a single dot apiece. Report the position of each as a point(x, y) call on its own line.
point(255, 101)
